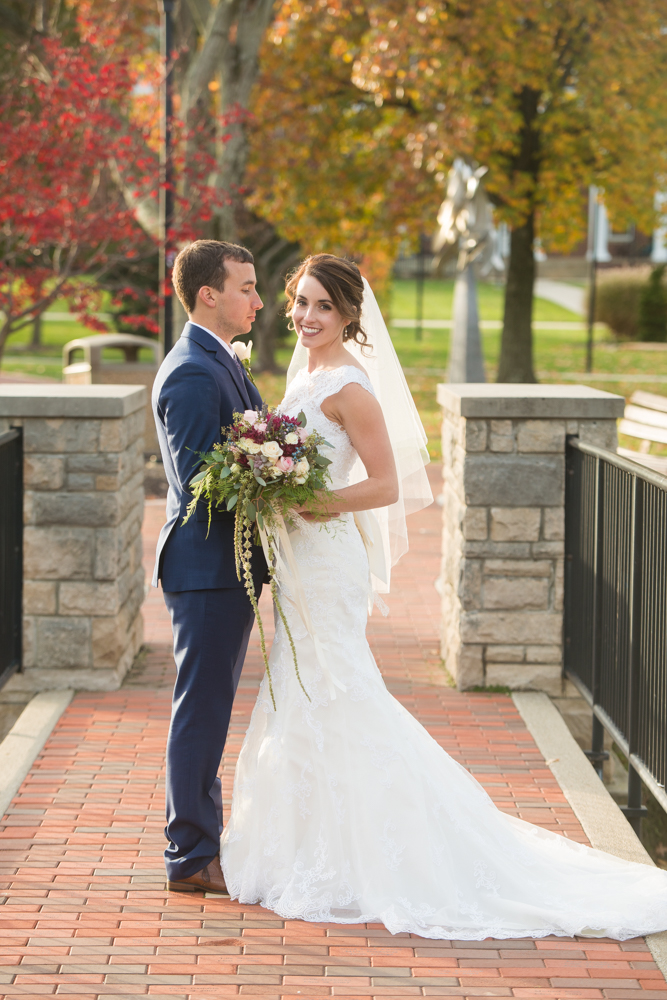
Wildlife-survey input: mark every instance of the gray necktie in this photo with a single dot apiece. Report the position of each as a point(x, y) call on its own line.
point(238, 365)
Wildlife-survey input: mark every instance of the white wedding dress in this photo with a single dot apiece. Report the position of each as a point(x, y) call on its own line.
point(346, 810)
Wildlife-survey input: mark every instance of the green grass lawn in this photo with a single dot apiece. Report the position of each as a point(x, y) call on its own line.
point(46, 361)
point(438, 296)
point(556, 351)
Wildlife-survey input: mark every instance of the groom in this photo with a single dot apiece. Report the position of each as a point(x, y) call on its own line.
point(198, 388)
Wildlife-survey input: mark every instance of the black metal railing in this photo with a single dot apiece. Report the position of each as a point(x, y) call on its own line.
point(11, 551)
point(615, 625)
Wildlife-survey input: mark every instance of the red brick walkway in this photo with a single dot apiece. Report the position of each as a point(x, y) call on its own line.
point(85, 911)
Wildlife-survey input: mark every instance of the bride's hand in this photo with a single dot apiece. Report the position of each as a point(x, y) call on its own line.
point(308, 515)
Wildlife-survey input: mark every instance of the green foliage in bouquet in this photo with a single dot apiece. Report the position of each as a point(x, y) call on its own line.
point(267, 466)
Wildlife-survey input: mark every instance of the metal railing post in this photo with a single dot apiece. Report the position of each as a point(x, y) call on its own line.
point(597, 754)
point(622, 617)
point(634, 811)
point(11, 552)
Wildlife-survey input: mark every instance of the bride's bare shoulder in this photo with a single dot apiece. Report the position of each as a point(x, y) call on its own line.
point(352, 362)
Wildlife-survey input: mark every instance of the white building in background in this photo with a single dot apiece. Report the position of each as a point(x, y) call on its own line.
point(659, 249)
point(600, 235)
point(598, 227)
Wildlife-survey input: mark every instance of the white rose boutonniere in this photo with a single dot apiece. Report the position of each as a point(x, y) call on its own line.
point(243, 352)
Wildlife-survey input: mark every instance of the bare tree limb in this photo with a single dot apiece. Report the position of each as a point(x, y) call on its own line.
point(203, 67)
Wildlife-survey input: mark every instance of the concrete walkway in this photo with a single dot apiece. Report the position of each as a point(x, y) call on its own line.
point(570, 297)
point(86, 914)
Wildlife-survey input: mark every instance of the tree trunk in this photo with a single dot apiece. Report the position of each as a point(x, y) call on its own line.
point(218, 42)
point(239, 68)
point(36, 339)
point(179, 318)
point(516, 351)
point(274, 257)
point(229, 53)
point(265, 336)
point(5, 330)
point(271, 270)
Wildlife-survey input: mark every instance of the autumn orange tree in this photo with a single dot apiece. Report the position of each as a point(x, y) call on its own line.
point(329, 168)
point(551, 95)
point(325, 159)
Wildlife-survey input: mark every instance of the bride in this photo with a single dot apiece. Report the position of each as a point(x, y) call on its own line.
point(344, 808)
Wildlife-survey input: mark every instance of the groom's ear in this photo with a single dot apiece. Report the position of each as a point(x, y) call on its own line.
point(208, 296)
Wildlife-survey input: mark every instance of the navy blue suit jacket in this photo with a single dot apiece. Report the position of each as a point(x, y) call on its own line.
point(196, 392)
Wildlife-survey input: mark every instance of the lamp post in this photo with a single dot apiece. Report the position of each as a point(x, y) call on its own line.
point(597, 253)
point(424, 247)
point(166, 173)
point(592, 254)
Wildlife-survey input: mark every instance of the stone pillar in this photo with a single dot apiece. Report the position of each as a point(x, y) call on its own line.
point(83, 509)
point(503, 449)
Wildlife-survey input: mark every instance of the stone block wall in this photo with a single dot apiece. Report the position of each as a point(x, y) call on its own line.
point(503, 526)
point(83, 509)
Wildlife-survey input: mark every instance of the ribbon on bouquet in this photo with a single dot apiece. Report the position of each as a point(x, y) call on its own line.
point(279, 550)
point(371, 535)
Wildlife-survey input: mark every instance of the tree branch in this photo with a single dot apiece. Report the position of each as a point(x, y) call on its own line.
point(203, 66)
point(145, 210)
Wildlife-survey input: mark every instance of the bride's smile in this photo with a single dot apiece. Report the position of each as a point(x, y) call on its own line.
point(316, 320)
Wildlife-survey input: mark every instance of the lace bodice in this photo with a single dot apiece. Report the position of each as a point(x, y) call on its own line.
point(306, 392)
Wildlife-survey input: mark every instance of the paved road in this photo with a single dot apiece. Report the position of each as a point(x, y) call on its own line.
point(86, 915)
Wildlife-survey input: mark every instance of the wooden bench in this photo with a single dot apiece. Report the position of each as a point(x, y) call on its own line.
point(645, 419)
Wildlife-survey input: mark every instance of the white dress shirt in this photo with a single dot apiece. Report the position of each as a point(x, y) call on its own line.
point(227, 347)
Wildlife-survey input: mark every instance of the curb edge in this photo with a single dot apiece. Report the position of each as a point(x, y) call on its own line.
point(604, 824)
point(26, 738)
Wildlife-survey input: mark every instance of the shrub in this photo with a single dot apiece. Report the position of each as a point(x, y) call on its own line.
point(653, 307)
point(617, 301)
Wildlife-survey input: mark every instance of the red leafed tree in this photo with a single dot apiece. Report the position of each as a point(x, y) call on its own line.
point(79, 173)
point(63, 222)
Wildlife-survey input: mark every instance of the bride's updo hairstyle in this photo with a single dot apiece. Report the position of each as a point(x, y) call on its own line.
point(342, 280)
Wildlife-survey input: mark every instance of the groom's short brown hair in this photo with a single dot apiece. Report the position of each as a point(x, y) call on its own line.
point(203, 263)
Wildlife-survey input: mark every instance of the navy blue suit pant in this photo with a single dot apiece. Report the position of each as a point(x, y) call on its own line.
point(211, 632)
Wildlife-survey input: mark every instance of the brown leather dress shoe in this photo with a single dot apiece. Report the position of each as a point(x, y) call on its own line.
point(209, 879)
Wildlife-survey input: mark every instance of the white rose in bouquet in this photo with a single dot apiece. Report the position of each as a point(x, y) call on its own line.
point(250, 447)
point(271, 449)
point(302, 468)
point(292, 438)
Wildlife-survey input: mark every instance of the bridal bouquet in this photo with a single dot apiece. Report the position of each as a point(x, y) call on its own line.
point(267, 466)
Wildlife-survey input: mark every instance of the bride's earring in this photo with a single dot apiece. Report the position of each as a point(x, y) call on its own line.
point(291, 326)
